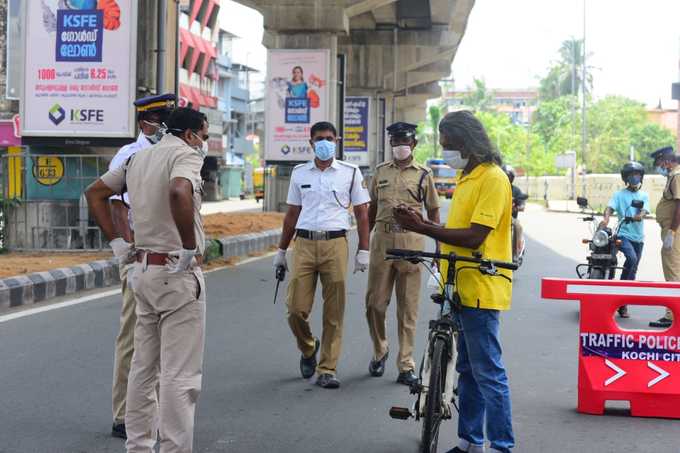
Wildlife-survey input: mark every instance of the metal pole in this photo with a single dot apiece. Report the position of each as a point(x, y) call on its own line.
point(160, 46)
point(177, 62)
point(583, 105)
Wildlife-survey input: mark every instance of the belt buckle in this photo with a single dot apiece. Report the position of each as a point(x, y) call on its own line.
point(396, 228)
point(319, 235)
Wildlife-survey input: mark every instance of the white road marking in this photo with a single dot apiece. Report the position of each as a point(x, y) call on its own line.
point(113, 292)
point(619, 373)
point(623, 290)
point(663, 374)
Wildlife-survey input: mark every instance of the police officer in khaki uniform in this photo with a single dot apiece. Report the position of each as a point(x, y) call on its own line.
point(320, 194)
point(152, 113)
point(164, 186)
point(399, 181)
point(668, 218)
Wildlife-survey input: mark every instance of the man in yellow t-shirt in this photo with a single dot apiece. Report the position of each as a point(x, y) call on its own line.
point(479, 221)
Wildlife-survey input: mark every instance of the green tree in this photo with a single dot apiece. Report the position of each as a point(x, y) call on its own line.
point(565, 76)
point(479, 98)
point(434, 115)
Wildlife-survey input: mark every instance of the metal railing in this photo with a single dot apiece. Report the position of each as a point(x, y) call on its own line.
point(43, 206)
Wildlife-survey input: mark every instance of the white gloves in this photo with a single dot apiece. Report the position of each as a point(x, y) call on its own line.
point(180, 260)
point(361, 261)
point(280, 260)
point(668, 239)
point(123, 251)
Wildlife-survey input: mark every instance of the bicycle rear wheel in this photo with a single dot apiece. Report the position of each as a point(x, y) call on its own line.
point(433, 403)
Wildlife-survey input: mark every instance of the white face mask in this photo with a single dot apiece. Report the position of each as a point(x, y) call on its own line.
point(202, 148)
point(454, 159)
point(401, 152)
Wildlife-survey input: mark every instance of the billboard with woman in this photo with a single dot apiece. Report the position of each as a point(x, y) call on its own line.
point(296, 97)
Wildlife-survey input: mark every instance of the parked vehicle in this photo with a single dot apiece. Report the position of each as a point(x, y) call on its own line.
point(444, 177)
point(258, 183)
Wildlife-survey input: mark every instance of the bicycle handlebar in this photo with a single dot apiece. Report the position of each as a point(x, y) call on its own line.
point(451, 258)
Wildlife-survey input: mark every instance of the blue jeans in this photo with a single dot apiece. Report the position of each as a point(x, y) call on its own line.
point(483, 388)
point(633, 252)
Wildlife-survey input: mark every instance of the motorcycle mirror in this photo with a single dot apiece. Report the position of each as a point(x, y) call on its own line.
point(638, 204)
point(582, 202)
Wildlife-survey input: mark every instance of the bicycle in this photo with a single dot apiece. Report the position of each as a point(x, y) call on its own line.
point(437, 367)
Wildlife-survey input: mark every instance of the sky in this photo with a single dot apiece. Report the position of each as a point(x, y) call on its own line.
point(635, 44)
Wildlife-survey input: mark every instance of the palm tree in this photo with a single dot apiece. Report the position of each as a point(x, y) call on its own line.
point(565, 76)
point(434, 114)
point(479, 98)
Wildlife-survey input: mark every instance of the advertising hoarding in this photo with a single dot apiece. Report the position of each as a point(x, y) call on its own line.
point(297, 97)
point(79, 68)
point(355, 139)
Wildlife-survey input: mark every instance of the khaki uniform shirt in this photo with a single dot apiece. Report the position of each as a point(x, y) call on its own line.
point(392, 186)
point(666, 207)
point(148, 185)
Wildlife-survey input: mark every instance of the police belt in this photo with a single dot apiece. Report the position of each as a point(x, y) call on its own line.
point(391, 228)
point(160, 259)
point(320, 235)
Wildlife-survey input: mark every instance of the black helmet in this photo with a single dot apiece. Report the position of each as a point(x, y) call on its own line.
point(510, 172)
point(632, 167)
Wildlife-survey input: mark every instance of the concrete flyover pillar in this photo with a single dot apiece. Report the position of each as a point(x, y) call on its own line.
point(395, 53)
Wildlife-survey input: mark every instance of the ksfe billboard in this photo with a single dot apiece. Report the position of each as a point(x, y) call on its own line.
point(297, 97)
point(79, 74)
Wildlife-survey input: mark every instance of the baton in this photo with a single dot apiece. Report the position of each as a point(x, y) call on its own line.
point(280, 275)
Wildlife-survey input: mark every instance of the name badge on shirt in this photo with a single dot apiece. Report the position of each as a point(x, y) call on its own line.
point(306, 186)
point(383, 183)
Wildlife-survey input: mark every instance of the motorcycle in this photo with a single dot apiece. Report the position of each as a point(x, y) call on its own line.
point(603, 245)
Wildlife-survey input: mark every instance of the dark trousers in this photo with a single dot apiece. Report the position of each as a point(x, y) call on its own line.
point(633, 252)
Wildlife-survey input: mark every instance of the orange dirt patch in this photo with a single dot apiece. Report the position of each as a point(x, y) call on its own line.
point(230, 224)
point(19, 263)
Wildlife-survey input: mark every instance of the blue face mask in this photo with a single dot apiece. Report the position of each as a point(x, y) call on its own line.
point(324, 150)
point(662, 171)
point(634, 181)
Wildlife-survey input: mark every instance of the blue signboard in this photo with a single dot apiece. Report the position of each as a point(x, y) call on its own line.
point(355, 139)
point(297, 110)
point(80, 35)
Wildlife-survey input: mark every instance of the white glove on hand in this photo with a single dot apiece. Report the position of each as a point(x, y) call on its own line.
point(280, 260)
point(361, 261)
point(122, 251)
point(180, 260)
point(668, 240)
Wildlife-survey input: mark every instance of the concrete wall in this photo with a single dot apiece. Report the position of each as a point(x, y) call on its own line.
point(598, 188)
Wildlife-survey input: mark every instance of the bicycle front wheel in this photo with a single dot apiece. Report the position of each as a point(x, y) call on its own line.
point(433, 403)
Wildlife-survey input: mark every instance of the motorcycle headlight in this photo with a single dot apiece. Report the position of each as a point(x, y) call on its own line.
point(600, 238)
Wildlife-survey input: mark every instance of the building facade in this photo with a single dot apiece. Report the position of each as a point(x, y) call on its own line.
point(519, 104)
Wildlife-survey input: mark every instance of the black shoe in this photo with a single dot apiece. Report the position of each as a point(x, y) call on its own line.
point(118, 430)
point(377, 367)
point(327, 381)
point(661, 322)
point(308, 365)
point(407, 377)
point(456, 450)
point(623, 311)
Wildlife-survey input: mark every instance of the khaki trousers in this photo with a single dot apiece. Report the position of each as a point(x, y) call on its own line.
point(405, 278)
point(326, 260)
point(670, 261)
point(169, 339)
point(124, 348)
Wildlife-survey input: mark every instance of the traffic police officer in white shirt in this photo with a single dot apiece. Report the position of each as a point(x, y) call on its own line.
point(319, 198)
point(152, 112)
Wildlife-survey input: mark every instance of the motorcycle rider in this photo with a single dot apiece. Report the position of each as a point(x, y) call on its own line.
point(519, 199)
point(630, 234)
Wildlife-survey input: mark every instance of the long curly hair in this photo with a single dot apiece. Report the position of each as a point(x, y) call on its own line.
point(463, 127)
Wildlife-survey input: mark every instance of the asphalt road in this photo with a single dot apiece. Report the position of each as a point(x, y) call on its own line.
point(56, 367)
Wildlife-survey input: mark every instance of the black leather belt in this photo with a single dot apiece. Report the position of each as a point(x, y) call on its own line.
point(321, 235)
